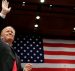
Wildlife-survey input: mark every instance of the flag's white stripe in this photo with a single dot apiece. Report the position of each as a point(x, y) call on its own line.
point(51, 65)
point(65, 57)
point(59, 49)
point(58, 41)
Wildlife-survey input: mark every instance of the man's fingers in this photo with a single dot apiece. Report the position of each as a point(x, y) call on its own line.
point(5, 3)
point(8, 3)
point(9, 8)
point(3, 0)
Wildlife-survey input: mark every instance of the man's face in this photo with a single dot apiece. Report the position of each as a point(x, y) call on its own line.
point(8, 34)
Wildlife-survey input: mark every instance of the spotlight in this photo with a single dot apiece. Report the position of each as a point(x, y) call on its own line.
point(23, 3)
point(50, 5)
point(36, 25)
point(74, 28)
point(37, 17)
point(42, 1)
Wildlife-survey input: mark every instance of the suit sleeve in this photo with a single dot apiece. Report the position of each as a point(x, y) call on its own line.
point(6, 61)
point(3, 23)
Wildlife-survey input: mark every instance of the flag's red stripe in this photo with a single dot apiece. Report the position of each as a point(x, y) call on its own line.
point(53, 69)
point(59, 53)
point(59, 45)
point(59, 61)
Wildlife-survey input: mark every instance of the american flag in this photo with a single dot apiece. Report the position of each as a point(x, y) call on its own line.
point(29, 48)
point(48, 55)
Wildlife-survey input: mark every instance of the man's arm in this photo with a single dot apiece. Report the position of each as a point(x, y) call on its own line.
point(5, 10)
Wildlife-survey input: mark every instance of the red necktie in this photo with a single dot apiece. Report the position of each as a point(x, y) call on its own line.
point(14, 66)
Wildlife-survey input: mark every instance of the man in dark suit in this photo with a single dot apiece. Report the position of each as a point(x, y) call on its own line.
point(9, 61)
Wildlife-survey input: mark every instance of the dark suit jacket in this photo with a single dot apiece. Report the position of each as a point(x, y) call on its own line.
point(7, 54)
point(3, 23)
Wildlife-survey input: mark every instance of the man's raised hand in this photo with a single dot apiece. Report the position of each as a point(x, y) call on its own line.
point(5, 7)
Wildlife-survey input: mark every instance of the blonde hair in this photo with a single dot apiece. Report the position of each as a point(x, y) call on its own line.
point(7, 27)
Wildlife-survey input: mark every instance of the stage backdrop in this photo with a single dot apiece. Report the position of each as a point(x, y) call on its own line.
point(46, 54)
